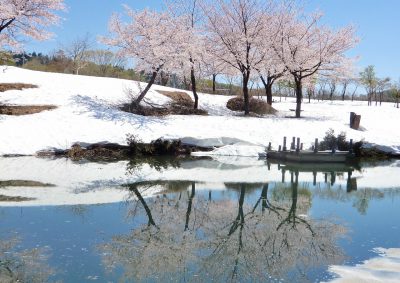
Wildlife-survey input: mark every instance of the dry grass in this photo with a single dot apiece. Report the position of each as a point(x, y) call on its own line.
point(15, 86)
point(179, 97)
point(15, 110)
point(256, 106)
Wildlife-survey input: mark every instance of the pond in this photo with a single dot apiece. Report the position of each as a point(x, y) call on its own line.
point(201, 220)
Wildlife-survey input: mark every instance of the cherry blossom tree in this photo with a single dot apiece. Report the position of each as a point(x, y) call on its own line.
point(235, 29)
point(189, 17)
point(152, 39)
point(306, 47)
point(271, 71)
point(27, 18)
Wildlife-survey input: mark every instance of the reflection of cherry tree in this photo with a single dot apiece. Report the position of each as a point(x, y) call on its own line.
point(166, 241)
point(22, 266)
point(185, 234)
point(271, 240)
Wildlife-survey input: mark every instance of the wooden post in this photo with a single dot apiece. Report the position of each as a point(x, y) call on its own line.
point(284, 144)
point(293, 147)
point(351, 146)
point(355, 121)
point(298, 145)
point(269, 146)
point(314, 178)
point(280, 148)
point(301, 146)
point(316, 146)
point(352, 115)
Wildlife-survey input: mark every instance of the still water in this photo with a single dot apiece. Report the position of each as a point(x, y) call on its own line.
point(163, 220)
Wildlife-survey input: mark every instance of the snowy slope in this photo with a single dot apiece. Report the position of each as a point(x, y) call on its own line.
point(86, 113)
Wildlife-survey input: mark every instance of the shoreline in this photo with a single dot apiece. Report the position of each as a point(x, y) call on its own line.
point(169, 148)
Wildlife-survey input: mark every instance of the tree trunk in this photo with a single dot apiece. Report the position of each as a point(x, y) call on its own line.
point(145, 206)
point(246, 77)
point(144, 92)
point(299, 96)
point(214, 85)
point(268, 88)
point(344, 91)
point(354, 92)
point(189, 208)
point(193, 80)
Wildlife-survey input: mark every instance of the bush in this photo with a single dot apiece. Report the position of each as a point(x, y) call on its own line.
point(257, 106)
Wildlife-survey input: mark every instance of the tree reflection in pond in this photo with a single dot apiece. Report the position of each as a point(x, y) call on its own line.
point(22, 266)
point(189, 236)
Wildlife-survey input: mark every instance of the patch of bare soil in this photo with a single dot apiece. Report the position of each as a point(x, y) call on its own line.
point(181, 104)
point(15, 86)
point(172, 109)
point(16, 110)
point(14, 199)
point(23, 183)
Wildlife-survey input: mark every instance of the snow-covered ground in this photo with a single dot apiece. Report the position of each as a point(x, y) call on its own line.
point(96, 183)
point(86, 113)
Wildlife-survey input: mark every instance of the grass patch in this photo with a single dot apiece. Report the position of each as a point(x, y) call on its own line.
point(15, 110)
point(256, 106)
point(15, 86)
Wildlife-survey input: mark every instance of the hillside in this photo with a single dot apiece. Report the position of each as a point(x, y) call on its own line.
point(87, 112)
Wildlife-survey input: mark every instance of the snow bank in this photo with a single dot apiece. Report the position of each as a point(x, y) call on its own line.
point(87, 113)
point(237, 149)
point(385, 268)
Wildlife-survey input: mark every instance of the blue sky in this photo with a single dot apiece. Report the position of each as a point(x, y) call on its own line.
point(376, 22)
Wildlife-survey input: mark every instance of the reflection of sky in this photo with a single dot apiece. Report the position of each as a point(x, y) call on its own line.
point(385, 267)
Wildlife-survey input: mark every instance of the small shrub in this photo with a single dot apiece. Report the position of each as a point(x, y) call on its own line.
point(257, 106)
point(134, 143)
point(331, 141)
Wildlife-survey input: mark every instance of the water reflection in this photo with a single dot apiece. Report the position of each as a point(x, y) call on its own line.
point(246, 238)
point(195, 220)
point(18, 265)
